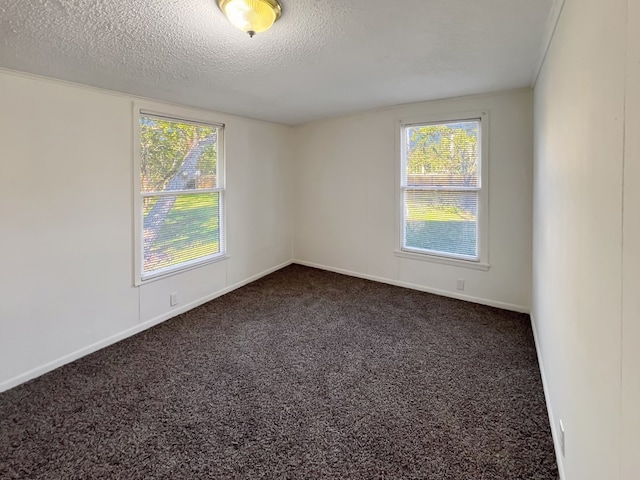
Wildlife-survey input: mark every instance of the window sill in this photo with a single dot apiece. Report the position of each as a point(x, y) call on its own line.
point(180, 270)
point(443, 260)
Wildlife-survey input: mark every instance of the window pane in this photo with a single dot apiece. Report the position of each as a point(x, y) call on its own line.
point(180, 228)
point(177, 155)
point(442, 155)
point(444, 222)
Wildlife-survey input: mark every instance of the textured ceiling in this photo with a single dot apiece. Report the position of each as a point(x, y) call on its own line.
point(322, 58)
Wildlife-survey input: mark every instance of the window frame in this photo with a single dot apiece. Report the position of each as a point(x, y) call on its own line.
point(187, 116)
point(481, 262)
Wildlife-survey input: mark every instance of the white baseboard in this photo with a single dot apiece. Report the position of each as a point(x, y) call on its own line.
point(413, 286)
point(547, 396)
point(47, 367)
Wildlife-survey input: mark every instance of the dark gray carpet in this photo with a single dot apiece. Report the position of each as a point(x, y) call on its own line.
point(303, 374)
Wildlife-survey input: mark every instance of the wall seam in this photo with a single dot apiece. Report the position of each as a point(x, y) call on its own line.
point(622, 230)
point(553, 20)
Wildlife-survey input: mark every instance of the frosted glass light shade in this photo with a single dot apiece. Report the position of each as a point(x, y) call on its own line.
point(251, 16)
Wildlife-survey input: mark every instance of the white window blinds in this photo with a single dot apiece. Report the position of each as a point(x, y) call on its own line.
point(181, 190)
point(441, 184)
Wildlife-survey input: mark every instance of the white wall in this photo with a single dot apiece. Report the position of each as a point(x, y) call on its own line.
point(346, 212)
point(631, 255)
point(66, 221)
point(578, 236)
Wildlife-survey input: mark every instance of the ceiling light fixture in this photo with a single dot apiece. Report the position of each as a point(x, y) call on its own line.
point(251, 16)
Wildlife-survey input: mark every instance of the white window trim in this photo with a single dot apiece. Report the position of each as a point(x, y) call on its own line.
point(187, 115)
point(482, 262)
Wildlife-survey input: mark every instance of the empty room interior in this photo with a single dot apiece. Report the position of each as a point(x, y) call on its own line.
point(320, 239)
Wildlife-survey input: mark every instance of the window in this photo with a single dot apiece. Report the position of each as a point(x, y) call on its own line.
point(180, 188)
point(443, 189)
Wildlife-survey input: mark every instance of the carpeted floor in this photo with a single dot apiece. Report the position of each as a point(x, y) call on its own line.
point(303, 374)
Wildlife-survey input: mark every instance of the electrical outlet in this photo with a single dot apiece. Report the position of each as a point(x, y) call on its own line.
point(460, 284)
point(173, 299)
point(562, 437)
